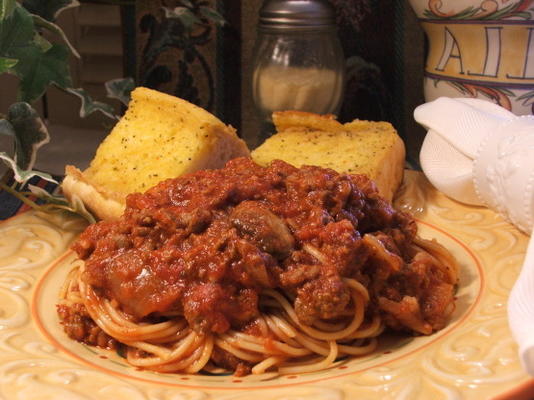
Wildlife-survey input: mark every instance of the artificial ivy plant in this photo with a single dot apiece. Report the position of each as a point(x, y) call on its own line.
point(36, 50)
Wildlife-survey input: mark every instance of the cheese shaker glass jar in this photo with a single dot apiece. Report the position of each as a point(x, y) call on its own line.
point(298, 60)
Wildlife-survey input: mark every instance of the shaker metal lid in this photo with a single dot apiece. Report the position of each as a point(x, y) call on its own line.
point(283, 14)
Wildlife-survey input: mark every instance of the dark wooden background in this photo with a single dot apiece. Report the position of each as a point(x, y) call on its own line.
point(382, 42)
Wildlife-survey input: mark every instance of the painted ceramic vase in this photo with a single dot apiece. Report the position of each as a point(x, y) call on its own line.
point(481, 49)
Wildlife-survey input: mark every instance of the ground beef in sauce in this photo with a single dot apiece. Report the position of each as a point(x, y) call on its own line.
point(78, 325)
point(207, 243)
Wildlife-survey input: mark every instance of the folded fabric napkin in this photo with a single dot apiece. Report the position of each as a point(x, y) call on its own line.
point(481, 154)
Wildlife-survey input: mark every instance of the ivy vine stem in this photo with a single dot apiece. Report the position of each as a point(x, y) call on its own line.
point(49, 207)
point(20, 196)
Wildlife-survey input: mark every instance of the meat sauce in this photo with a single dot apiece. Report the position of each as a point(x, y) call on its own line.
point(204, 245)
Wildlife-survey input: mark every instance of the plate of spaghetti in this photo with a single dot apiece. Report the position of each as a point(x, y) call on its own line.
point(289, 282)
point(251, 269)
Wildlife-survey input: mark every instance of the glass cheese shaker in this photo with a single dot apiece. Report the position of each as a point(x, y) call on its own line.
point(298, 60)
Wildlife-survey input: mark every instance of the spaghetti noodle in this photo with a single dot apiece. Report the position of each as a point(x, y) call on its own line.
point(253, 270)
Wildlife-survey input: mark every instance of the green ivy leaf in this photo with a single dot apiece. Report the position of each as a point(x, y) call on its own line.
point(58, 202)
point(120, 89)
point(211, 15)
point(16, 33)
point(29, 131)
point(22, 175)
point(40, 22)
point(43, 44)
point(37, 70)
point(186, 17)
point(6, 8)
point(6, 64)
point(49, 9)
point(522, 14)
point(78, 207)
point(46, 196)
point(90, 106)
point(39, 63)
point(6, 128)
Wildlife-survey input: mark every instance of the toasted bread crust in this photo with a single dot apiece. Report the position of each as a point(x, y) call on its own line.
point(159, 137)
point(389, 177)
point(303, 138)
point(101, 205)
point(284, 120)
point(358, 147)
